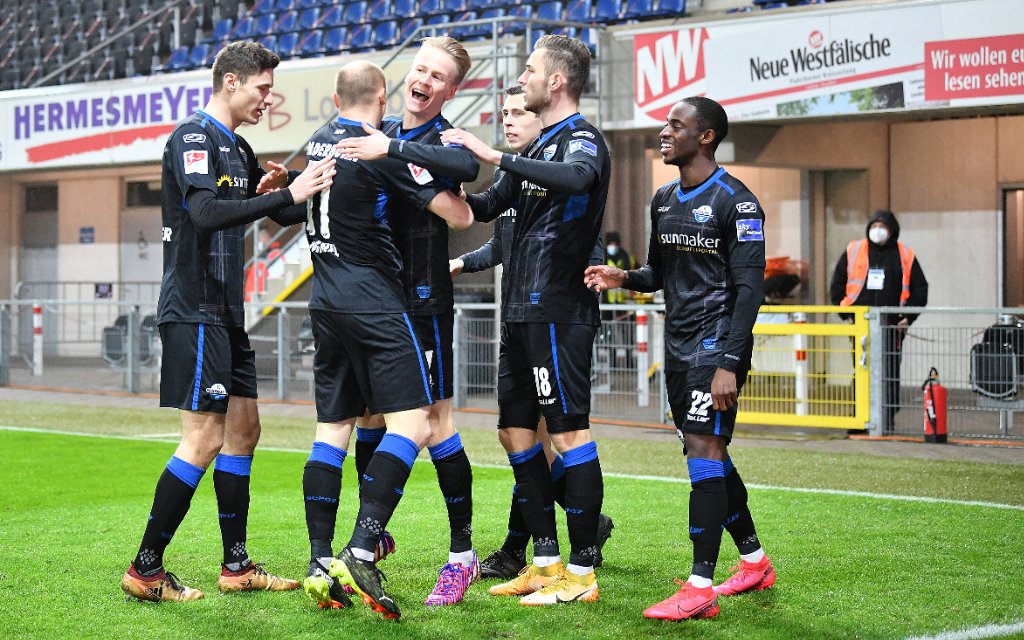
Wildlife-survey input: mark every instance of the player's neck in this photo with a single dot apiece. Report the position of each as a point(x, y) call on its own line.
point(412, 120)
point(221, 111)
point(362, 115)
point(559, 109)
point(697, 171)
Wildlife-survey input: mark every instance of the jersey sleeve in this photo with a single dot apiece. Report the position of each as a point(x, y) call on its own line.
point(575, 174)
point(500, 196)
point(453, 161)
point(742, 228)
point(487, 256)
point(193, 157)
point(404, 180)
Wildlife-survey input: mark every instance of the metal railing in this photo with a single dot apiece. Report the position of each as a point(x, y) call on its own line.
point(809, 368)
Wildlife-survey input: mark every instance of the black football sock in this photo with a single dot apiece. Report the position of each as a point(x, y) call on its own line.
point(383, 484)
point(174, 491)
point(584, 493)
point(321, 489)
point(558, 479)
point(738, 521)
point(535, 492)
point(366, 443)
point(231, 484)
point(518, 535)
point(708, 506)
point(455, 477)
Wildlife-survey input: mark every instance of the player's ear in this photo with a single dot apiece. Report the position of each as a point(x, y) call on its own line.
point(337, 100)
point(707, 136)
point(230, 82)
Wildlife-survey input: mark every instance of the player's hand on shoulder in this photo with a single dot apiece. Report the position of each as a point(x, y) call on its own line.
point(373, 146)
point(276, 178)
point(316, 177)
point(473, 144)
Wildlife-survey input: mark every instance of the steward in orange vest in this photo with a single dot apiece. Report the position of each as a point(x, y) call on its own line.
point(880, 271)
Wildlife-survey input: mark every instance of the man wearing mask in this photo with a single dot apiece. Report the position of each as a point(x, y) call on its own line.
point(616, 256)
point(883, 272)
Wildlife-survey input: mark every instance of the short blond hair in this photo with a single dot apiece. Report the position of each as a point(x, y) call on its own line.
point(453, 48)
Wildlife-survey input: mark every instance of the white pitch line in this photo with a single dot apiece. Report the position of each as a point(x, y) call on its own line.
point(987, 631)
point(625, 476)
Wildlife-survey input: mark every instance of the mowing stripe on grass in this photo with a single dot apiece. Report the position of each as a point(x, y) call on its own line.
point(987, 631)
point(626, 476)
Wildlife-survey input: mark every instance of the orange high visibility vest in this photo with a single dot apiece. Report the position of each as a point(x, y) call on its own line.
point(857, 270)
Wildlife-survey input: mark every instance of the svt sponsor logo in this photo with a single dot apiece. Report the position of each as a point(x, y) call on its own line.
point(668, 66)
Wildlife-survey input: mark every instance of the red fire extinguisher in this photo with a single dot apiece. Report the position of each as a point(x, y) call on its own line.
point(934, 408)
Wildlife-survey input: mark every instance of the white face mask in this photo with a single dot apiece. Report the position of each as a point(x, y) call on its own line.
point(878, 235)
point(612, 249)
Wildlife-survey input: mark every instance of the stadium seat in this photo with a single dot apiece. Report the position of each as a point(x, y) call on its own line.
point(222, 29)
point(243, 29)
point(408, 27)
point(578, 11)
point(269, 42)
point(311, 43)
point(261, 7)
point(522, 11)
point(459, 32)
point(176, 61)
point(335, 40)
point(302, 5)
point(333, 17)
point(429, 7)
point(549, 11)
point(286, 22)
point(10, 77)
point(309, 19)
point(378, 10)
point(355, 13)
point(636, 9)
point(589, 37)
point(361, 38)
point(404, 8)
point(285, 5)
point(197, 58)
point(286, 44)
point(675, 8)
point(214, 50)
point(264, 25)
point(453, 6)
point(385, 34)
point(608, 11)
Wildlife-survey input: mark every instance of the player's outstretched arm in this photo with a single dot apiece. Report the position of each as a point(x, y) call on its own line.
point(452, 209)
point(475, 145)
point(487, 256)
point(451, 162)
point(602, 277)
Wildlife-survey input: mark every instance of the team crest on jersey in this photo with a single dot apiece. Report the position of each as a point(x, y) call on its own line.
point(419, 174)
point(702, 213)
point(746, 207)
point(586, 147)
point(196, 162)
point(749, 231)
point(549, 151)
point(193, 138)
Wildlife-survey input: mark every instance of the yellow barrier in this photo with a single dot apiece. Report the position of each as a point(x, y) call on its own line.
point(808, 374)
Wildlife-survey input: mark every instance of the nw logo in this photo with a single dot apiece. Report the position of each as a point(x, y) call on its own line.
point(668, 67)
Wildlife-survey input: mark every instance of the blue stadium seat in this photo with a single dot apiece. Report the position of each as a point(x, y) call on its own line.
point(589, 37)
point(355, 13)
point(378, 10)
point(286, 44)
point(308, 4)
point(608, 11)
point(361, 37)
point(311, 43)
point(670, 8)
point(549, 11)
point(222, 29)
point(287, 21)
point(385, 34)
point(453, 6)
point(333, 17)
point(429, 7)
point(335, 40)
point(462, 33)
point(177, 61)
point(441, 21)
point(262, 6)
point(405, 8)
point(521, 11)
point(243, 29)
point(269, 42)
point(578, 11)
point(638, 9)
point(214, 50)
point(410, 25)
point(264, 25)
point(199, 54)
point(309, 19)
point(285, 5)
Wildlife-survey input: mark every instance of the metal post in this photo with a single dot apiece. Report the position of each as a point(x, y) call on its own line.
point(643, 387)
point(283, 353)
point(37, 339)
point(800, 366)
point(5, 346)
point(458, 397)
point(132, 347)
point(875, 383)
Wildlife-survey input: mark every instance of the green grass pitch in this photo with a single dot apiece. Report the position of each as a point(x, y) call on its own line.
point(72, 509)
